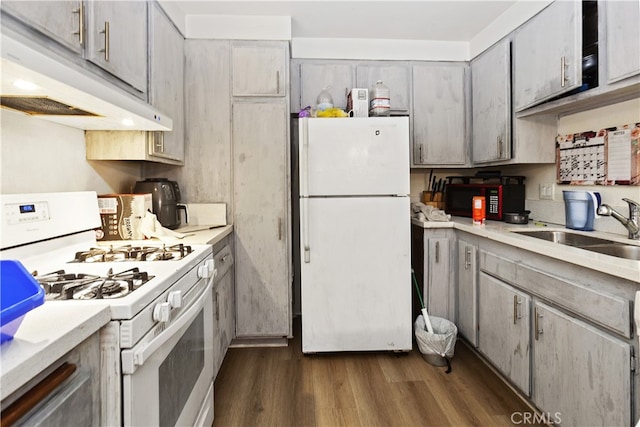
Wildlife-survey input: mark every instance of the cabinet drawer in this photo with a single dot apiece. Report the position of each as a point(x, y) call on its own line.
point(609, 311)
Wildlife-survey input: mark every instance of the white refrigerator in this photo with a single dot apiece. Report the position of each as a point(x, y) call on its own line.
point(355, 242)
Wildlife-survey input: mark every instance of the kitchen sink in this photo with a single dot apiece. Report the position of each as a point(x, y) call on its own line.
point(619, 250)
point(566, 238)
point(589, 243)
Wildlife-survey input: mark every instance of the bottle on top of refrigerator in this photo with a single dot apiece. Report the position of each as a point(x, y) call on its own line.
point(380, 104)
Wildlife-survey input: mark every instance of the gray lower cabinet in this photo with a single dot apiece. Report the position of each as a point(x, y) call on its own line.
point(504, 332)
point(223, 301)
point(439, 296)
point(432, 260)
point(440, 104)
point(560, 333)
point(581, 375)
point(260, 194)
point(623, 39)
point(467, 291)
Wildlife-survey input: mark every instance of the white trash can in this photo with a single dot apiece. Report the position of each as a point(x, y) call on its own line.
point(437, 347)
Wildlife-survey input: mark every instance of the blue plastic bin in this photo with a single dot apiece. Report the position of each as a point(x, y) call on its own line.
point(19, 294)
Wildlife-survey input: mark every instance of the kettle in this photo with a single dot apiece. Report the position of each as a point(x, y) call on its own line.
point(581, 208)
point(166, 199)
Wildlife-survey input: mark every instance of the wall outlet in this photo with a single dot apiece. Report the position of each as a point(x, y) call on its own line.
point(546, 191)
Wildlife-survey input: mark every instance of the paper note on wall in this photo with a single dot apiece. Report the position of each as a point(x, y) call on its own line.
point(618, 164)
point(606, 157)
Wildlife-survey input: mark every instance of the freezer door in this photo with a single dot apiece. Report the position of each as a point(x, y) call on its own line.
point(356, 274)
point(355, 156)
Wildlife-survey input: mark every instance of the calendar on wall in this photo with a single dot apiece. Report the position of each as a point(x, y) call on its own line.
point(604, 157)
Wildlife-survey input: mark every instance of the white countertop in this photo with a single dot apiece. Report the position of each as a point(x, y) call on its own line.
point(47, 333)
point(502, 232)
point(195, 235)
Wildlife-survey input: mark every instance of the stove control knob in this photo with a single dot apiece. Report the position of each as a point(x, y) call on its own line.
point(175, 299)
point(161, 312)
point(211, 265)
point(204, 272)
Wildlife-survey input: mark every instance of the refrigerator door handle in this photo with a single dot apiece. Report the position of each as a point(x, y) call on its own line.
point(304, 220)
point(304, 158)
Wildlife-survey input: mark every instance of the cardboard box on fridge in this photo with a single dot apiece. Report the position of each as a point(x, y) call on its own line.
point(121, 215)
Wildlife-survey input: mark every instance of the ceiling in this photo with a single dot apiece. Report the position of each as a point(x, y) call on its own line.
point(452, 20)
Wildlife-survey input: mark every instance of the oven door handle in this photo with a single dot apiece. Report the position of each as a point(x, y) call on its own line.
point(146, 350)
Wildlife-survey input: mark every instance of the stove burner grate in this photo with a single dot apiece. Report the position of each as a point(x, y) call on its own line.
point(59, 285)
point(133, 253)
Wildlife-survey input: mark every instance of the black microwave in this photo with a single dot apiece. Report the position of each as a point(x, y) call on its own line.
point(502, 194)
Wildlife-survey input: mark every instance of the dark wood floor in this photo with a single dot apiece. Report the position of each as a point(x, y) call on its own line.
point(279, 386)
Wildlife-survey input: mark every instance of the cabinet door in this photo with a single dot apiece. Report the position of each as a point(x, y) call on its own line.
point(224, 328)
point(623, 39)
point(580, 373)
point(504, 329)
point(437, 287)
point(548, 54)
point(439, 115)
point(491, 104)
point(467, 292)
point(60, 20)
point(117, 39)
point(258, 69)
point(396, 77)
point(166, 84)
point(260, 223)
point(337, 78)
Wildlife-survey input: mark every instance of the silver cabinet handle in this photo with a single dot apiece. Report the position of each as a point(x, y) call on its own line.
point(106, 41)
point(538, 324)
point(516, 309)
point(563, 71)
point(420, 154)
point(278, 82)
point(279, 228)
point(467, 258)
point(80, 32)
point(499, 140)
point(437, 252)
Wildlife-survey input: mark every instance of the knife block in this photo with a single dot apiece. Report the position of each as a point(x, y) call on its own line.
point(436, 202)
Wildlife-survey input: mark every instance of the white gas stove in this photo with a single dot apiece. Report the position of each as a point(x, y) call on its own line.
point(159, 295)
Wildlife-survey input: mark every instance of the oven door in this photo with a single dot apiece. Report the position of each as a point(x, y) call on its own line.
point(168, 382)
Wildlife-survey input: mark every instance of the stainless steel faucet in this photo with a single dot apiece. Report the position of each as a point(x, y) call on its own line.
point(632, 224)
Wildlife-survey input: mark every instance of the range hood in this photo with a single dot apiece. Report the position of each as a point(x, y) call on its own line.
point(65, 93)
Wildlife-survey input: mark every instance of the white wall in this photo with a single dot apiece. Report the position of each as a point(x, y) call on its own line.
point(40, 156)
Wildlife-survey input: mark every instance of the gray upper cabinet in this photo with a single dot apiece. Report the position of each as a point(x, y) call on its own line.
point(491, 104)
point(258, 69)
point(117, 39)
point(339, 78)
point(623, 39)
point(63, 21)
point(166, 80)
point(396, 77)
point(548, 54)
point(439, 115)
